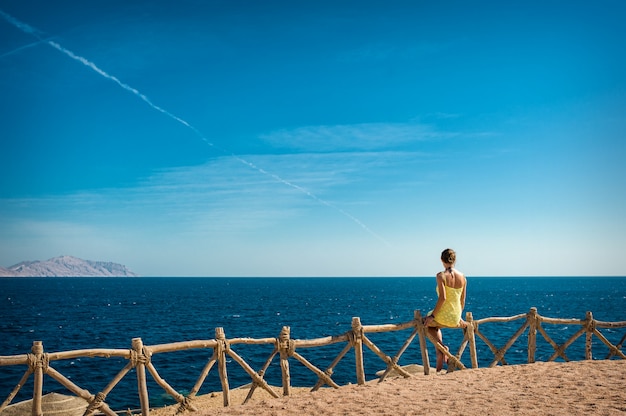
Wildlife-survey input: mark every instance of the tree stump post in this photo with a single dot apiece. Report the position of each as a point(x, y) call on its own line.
point(285, 348)
point(590, 326)
point(471, 338)
point(357, 332)
point(421, 332)
point(532, 334)
point(139, 362)
point(220, 350)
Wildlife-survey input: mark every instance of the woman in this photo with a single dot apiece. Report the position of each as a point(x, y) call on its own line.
point(451, 289)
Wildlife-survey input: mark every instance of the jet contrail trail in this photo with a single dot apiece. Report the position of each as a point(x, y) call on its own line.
point(14, 51)
point(127, 87)
point(39, 35)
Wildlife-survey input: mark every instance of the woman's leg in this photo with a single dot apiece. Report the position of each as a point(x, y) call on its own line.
point(441, 358)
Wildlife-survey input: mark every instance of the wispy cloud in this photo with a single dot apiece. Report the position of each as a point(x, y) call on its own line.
point(223, 194)
point(24, 27)
point(352, 137)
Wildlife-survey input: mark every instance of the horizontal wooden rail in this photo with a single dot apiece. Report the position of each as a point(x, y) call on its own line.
point(139, 356)
point(500, 319)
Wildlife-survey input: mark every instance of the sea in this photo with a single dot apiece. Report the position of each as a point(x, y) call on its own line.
point(85, 313)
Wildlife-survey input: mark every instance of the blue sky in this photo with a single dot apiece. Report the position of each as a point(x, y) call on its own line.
point(241, 138)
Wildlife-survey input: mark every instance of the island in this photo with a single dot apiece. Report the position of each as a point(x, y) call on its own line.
point(66, 266)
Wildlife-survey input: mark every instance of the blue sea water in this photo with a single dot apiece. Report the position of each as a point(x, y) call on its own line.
point(84, 313)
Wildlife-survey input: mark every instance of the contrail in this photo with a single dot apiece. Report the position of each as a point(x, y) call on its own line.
point(39, 35)
point(127, 87)
point(14, 51)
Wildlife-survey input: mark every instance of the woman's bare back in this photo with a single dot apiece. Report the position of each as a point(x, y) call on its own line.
point(453, 278)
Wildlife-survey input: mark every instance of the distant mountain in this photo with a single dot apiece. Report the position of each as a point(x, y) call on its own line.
point(66, 266)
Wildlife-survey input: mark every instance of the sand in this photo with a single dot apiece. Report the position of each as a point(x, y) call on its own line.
point(574, 388)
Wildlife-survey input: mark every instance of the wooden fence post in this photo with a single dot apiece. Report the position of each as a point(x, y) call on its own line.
point(421, 331)
point(532, 334)
point(220, 350)
point(139, 359)
point(471, 337)
point(590, 326)
point(285, 348)
point(357, 332)
point(37, 364)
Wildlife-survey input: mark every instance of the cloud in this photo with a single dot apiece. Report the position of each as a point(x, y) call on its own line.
point(352, 137)
point(225, 195)
point(222, 194)
point(24, 27)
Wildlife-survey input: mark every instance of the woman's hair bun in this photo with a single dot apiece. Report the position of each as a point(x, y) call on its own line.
point(448, 256)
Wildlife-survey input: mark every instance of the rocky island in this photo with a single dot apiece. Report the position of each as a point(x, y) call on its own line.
point(66, 266)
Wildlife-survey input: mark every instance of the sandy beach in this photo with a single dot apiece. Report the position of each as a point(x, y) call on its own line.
point(574, 388)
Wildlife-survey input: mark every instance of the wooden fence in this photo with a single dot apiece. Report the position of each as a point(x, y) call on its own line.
point(139, 357)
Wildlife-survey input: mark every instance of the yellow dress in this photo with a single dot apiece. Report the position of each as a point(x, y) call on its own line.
point(449, 314)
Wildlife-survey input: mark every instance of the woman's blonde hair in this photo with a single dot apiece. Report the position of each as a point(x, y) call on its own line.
point(448, 256)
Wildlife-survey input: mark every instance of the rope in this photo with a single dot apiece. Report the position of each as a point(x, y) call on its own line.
point(140, 358)
point(96, 403)
point(186, 404)
point(38, 361)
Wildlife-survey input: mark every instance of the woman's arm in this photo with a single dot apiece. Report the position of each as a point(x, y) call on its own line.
point(442, 294)
point(463, 293)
